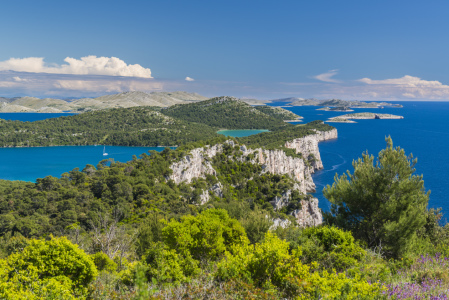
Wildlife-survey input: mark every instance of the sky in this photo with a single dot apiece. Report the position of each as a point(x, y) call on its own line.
point(365, 50)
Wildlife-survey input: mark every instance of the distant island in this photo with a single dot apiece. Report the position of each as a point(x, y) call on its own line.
point(338, 108)
point(334, 103)
point(359, 116)
point(162, 99)
point(340, 103)
point(121, 100)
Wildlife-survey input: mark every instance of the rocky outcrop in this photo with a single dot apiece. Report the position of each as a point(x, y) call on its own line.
point(309, 214)
point(197, 164)
point(277, 162)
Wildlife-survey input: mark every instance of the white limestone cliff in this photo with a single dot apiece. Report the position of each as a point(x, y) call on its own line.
point(197, 164)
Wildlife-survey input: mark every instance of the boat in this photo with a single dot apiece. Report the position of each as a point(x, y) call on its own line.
point(104, 151)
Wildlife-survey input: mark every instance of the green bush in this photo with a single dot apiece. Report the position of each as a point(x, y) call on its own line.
point(205, 236)
point(103, 262)
point(333, 248)
point(56, 263)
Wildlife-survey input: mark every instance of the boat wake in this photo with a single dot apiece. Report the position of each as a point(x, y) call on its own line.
point(335, 167)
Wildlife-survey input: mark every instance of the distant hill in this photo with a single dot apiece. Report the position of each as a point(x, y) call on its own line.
point(225, 112)
point(144, 126)
point(121, 100)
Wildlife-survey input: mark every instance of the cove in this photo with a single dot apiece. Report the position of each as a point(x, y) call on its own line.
point(28, 164)
point(241, 132)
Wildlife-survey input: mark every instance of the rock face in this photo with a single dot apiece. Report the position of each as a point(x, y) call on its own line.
point(276, 162)
point(195, 165)
point(309, 214)
point(198, 164)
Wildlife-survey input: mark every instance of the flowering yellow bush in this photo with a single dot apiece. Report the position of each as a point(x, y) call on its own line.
point(271, 266)
point(47, 270)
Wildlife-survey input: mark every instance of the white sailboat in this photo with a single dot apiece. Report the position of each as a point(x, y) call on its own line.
point(104, 151)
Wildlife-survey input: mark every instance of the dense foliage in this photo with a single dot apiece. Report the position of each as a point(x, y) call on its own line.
point(226, 112)
point(134, 189)
point(137, 126)
point(277, 112)
point(382, 203)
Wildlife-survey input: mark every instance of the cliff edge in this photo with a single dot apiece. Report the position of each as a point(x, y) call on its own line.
point(197, 164)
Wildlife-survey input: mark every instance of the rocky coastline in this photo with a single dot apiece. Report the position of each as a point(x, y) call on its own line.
point(197, 164)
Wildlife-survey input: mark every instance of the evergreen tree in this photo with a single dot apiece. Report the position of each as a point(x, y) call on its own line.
point(383, 203)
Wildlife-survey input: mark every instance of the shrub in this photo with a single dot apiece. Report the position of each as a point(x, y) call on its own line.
point(43, 261)
point(206, 236)
point(332, 247)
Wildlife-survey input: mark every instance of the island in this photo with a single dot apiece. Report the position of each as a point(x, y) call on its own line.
point(338, 108)
point(360, 116)
point(332, 103)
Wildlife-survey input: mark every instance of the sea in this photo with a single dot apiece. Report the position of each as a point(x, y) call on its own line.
point(424, 132)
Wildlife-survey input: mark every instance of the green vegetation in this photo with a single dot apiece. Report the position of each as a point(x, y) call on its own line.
point(382, 203)
point(128, 231)
point(144, 126)
point(277, 112)
point(137, 126)
point(227, 112)
point(277, 139)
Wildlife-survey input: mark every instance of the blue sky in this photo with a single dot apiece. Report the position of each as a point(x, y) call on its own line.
point(370, 50)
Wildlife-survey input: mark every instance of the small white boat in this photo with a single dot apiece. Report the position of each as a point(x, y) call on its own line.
point(104, 151)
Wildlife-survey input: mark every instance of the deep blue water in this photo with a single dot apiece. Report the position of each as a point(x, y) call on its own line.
point(31, 117)
point(424, 132)
point(28, 164)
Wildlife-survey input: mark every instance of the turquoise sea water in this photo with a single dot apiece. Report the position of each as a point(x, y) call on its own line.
point(37, 162)
point(424, 131)
point(241, 133)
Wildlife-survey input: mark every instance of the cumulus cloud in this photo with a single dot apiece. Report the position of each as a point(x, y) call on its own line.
point(408, 87)
point(327, 77)
point(189, 79)
point(88, 65)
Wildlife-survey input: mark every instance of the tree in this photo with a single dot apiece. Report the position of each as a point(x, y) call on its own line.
point(383, 203)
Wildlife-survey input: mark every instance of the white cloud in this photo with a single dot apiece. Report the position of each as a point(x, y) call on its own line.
point(408, 87)
point(327, 77)
point(189, 79)
point(18, 79)
point(88, 65)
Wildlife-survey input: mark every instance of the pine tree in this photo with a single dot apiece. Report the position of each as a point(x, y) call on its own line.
point(383, 203)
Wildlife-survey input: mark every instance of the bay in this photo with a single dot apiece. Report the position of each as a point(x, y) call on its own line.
point(28, 164)
point(424, 132)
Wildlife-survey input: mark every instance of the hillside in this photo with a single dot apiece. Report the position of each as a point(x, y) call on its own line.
point(136, 126)
point(278, 113)
point(143, 126)
point(121, 100)
point(226, 112)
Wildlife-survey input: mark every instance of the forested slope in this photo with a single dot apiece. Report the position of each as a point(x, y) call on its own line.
point(225, 112)
point(137, 126)
point(143, 126)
